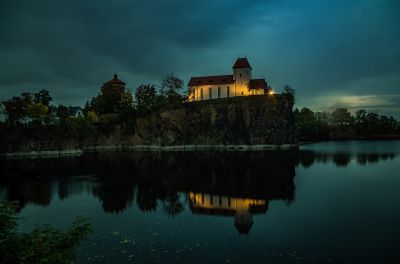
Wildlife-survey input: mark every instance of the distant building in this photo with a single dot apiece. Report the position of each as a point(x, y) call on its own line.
point(240, 83)
point(242, 209)
point(114, 84)
point(75, 112)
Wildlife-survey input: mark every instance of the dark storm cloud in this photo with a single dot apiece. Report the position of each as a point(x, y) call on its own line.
point(324, 48)
point(79, 43)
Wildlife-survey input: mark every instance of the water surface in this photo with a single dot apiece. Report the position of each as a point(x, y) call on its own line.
point(334, 202)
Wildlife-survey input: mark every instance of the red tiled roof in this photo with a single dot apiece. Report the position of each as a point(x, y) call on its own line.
point(210, 80)
point(115, 80)
point(242, 63)
point(257, 84)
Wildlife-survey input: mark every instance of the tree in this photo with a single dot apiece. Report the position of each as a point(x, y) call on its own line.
point(290, 92)
point(37, 111)
point(43, 97)
point(372, 122)
point(86, 109)
point(126, 101)
point(171, 85)
point(341, 116)
point(112, 99)
point(16, 108)
point(45, 244)
point(145, 97)
point(62, 113)
point(92, 117)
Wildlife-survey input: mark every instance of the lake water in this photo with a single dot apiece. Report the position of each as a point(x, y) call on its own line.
point(334, 202)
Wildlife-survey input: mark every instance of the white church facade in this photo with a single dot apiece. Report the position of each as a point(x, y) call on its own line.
point(240, 83)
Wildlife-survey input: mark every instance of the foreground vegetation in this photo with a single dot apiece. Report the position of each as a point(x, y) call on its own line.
point(44, 244)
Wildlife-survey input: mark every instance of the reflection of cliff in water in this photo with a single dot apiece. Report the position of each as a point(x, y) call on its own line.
point(151, 179)
point(341, 159)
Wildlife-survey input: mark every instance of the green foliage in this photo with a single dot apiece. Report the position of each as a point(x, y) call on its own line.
point(16, 108)
point(171, 85)
point(87, 108)
point(145, 97)
point(37, 111)
point(290, 92)
point(107, 123)
point(43, 97)
point(92, 117)
point(112, 99)
point(127, 117)
point(173, 102)
point(45, 244)
point(341, 116)
point(62, 113)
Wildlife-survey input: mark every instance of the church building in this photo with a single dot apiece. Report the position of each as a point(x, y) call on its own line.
point(240, 83)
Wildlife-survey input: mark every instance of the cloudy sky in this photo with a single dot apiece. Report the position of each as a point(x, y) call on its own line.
point(334, 53)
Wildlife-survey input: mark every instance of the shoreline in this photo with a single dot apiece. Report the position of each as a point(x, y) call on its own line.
point(79, 152)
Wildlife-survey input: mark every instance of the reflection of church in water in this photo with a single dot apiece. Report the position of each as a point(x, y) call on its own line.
point(242, 209)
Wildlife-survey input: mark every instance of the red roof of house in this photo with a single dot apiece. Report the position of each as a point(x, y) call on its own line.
point(242, 63)
point(257, 84)
point(210, 80)
point(115, 80)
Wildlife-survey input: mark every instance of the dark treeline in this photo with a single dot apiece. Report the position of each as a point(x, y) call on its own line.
point(342, 159)
point(31, 116)
point(341, 124)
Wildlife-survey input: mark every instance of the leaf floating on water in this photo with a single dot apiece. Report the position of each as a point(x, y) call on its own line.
point(126, 241)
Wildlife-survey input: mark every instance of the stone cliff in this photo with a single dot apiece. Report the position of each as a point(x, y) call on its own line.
point(249, 120)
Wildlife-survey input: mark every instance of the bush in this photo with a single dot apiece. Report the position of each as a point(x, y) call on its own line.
point(45, 244)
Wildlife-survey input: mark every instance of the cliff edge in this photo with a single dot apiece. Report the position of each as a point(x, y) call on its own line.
point(247, 120)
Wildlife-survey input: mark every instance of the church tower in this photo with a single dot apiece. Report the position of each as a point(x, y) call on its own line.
point(241, 76)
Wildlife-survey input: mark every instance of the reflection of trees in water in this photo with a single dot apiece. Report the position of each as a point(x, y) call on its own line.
point(307, 158)
point(36, 191)
point(152, 179)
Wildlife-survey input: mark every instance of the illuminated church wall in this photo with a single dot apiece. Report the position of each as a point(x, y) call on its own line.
point(223, 86)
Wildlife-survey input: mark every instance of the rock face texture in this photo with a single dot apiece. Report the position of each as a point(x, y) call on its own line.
point(249, 120)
